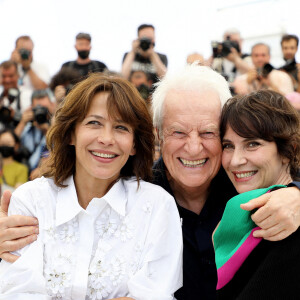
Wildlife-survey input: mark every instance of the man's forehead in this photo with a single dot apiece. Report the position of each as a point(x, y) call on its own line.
point(148, 31)
point(11, 69)
point(182, 98)
point(291, 42)
point(260, 49)
point(28, 44)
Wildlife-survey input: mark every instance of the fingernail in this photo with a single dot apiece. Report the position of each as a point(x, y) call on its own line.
point(36, 230)
point(36, 221)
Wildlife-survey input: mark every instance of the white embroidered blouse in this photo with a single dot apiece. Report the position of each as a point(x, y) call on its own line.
point(127, 243)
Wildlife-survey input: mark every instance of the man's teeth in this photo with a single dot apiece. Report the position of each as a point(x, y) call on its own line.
point(243, 175)
point(104, 154)
point(193, 163)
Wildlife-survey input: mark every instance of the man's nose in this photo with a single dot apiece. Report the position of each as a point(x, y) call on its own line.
point(194, 145)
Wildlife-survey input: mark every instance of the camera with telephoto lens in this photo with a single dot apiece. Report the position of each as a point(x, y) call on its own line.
point(264, 71)
point(145, 43)
point(41, 114)
point(24, 53)
point(224, 49)
point(7, 115)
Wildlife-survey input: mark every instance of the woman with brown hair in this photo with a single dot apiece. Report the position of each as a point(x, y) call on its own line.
point(260, 134)
point(104, 232)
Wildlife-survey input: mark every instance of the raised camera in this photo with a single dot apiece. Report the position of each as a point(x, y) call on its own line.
point(145, 43)
point(224, 49)
point(24, 53)
point(40, 114)
point(264, 71)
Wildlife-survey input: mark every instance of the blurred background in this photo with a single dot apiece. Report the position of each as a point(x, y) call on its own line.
point(182, 27)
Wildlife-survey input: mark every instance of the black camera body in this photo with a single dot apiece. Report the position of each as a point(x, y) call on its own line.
point(290, 66)
point(41, 114)
point(24, 53)
point(5, 115)
point(145, 43)
point(264, 71)
point(224, 49)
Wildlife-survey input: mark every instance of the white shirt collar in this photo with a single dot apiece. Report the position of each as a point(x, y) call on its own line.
point(68, 207)
point(116, 197)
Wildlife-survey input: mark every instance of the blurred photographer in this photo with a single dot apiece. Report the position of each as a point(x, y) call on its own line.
point(289, 47)
point(141, 81)
point(228, 59)
point(33, 75)
point(83, 64)
point(13, 99)
point(34, 125)
point(63, 81)
point(263, 75)
point(142, 56)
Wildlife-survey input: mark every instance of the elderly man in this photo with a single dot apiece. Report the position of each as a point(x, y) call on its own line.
point(187, 108)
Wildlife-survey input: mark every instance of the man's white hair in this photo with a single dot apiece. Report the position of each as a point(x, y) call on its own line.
point(191, 78)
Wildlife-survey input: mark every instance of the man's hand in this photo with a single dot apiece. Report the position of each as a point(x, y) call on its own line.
point(135, 45)
point(15, 231)
point(27, 115)
point(278, 213)
point(233, 55)
point(251, 76)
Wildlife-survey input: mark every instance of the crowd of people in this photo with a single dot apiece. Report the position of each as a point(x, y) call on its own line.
point(89, 216)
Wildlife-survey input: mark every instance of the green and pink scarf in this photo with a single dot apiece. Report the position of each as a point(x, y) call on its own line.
point(233, 239)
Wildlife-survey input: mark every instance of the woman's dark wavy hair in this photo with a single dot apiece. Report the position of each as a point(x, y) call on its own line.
point(123, 102)
point(269, 116)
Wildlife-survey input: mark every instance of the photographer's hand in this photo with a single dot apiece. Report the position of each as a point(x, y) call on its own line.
point(161, 69)
point(251, 76)
point(15, 56)
point(233, 56)
point(43, 127)
point(127, 63)
point(135, 46)
point(26, 117)
point(241, 65)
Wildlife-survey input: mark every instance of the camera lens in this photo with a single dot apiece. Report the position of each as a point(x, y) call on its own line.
point(145, 43)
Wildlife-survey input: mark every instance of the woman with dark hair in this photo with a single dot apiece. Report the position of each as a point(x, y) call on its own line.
point(14, 173)
point(104, 232)
point(260, 134)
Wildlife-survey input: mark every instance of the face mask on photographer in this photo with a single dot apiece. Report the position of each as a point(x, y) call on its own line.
point(7, 151)
point(83, 54)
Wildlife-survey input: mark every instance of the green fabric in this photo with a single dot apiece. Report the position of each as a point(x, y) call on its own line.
point(235, 225)
point(14, 173)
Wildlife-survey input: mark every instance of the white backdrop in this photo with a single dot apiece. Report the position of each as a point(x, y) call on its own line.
point(182, 26)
